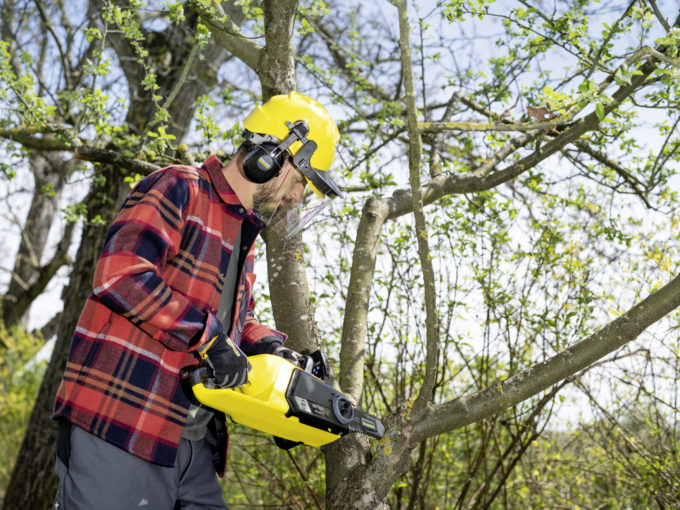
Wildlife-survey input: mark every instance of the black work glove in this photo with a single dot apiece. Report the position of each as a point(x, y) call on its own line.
point(229, 364)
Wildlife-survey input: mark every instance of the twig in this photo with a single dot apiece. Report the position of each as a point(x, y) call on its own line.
point(180, 81)
point(658, 15)
point(415, 162)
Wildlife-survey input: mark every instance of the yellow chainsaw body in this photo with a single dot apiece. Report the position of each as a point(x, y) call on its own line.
point(261, 403)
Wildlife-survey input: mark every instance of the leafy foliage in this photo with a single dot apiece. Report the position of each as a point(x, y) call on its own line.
point(20, 378)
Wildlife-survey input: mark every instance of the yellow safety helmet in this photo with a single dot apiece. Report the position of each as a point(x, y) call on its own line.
point(304, 128)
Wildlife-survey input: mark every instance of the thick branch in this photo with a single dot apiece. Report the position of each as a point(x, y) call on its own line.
point(228, 34)
point(41, 139)
point(469, 409)
point(481, 179)
point(354, 327)
point(22, 301)
point(115, 158)
point(51, 140)
point(277, 67)
point(484, 127)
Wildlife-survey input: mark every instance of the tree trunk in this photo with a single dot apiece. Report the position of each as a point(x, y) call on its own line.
point(34, 483)
point(286, 272)
point(289, 291)
point(346, 484)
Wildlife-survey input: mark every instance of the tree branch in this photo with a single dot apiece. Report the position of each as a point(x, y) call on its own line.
point(415, 162)
point(44, 138)
point(645, 52)
point(602, 158)
point(355, 322)
point(494, 399)
point(485, 127)
point(112, 157)
point(277, 67)
point(228, 34)
point(658, 15)
point(53, 139)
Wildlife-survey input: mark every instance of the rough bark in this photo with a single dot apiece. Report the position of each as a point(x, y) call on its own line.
point(289, 291)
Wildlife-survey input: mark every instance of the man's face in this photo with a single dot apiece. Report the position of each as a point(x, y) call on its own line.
point(286, 190)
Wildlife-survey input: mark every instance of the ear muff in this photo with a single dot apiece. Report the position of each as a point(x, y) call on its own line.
point(262, 164)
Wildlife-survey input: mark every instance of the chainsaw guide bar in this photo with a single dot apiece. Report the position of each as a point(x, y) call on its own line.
point(317, 404)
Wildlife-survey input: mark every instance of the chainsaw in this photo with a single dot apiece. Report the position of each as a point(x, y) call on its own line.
point(295, 404)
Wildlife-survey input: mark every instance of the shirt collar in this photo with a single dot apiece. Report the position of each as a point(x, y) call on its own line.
point(214, 166)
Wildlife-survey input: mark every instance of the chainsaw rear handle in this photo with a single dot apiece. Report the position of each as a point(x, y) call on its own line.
point(315, 363)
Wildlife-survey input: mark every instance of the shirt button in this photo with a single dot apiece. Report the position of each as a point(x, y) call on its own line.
point(241, 210)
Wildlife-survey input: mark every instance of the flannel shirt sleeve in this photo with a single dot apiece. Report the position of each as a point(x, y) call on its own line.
point(146, 233)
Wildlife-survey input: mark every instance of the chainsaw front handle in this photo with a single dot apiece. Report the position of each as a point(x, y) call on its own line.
point(201, 374)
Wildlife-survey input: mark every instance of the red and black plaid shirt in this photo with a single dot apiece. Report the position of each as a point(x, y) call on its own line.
point(157, 287)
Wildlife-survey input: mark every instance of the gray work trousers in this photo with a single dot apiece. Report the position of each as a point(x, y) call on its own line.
point(98, 475)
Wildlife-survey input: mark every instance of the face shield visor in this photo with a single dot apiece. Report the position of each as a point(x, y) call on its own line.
point(289, 219)
point(301, 215)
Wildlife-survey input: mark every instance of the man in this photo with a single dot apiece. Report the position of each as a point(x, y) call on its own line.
point(173, 286)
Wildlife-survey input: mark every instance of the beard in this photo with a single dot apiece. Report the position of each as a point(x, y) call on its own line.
point(265, 202)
